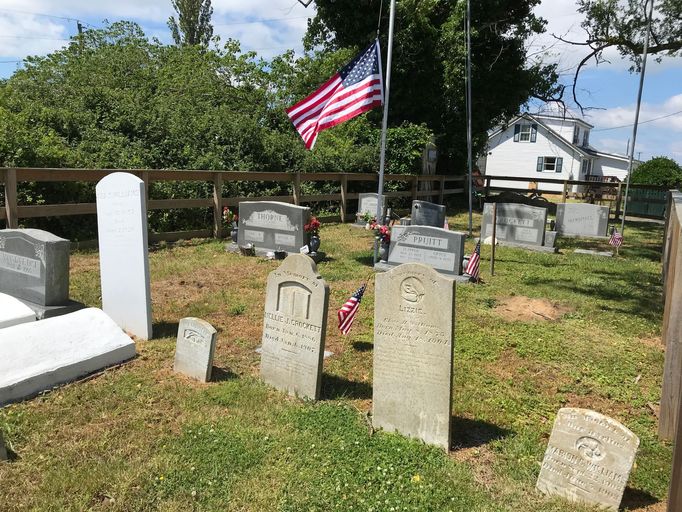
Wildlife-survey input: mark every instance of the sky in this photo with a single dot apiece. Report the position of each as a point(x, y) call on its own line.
point(269, 27)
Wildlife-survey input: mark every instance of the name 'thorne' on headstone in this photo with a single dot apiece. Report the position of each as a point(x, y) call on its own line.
point(436, 247)
point(294, 327)
point(123, 252)
point(413, 349)
point(516, 224)
point(273, 226)
point(581, 219)
point(194, 349)
point(588, 459)
point(427, 214)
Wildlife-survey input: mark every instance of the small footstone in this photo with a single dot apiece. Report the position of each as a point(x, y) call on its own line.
point(194, 348)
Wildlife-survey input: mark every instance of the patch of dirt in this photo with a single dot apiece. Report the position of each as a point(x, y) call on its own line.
point(480, 459)
point(546, 377)
point(525, 309)
point(654, 342)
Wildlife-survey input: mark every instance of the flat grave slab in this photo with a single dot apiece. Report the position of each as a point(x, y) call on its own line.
point(14, 312)
point(40, 355)
point(582, 220)
point(194, 348)
point(414, 328)
point(588, 459)
point(605, 254)
point(294, 327)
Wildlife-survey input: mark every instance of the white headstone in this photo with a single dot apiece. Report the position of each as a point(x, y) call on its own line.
point(588, 459)
point(14, 312)
point(37, 356)
point(194, 348)
point(123, 252)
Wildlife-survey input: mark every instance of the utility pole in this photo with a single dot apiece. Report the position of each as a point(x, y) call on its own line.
point(470, 164)
point(80, 34)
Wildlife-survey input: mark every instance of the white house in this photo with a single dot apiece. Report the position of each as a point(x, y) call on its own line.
point(548, 146)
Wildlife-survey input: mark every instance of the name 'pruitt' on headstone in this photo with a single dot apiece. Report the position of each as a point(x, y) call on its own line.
point(427, 214)
point(435, 247)
point(580, 219)
point(194, 348)
point(588, 458)
point(273, 226)
point(123, 252)
point(294, 327)
point(414, 330)
point(516, 224)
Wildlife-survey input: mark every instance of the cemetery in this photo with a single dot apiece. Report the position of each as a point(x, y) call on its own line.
point(207, 372)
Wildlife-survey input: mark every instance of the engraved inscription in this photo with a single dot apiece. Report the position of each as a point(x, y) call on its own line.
point(412, 289)
point(282, 239)
point(20, 264)
point(254, 236)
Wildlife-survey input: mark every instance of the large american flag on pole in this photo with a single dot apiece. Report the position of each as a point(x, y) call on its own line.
point(350, 307)
point(474, 262)
point(357, 88)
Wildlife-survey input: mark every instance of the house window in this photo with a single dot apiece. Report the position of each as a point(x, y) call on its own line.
point(586, 168)
point(576, 134)
point(586, 138)
point(549, 164)
point(525, 132)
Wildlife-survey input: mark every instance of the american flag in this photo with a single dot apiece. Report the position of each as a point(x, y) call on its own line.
point(350, 307)
point(616, 238)
point(357, 88)
point(446, 225)
point(474, 262)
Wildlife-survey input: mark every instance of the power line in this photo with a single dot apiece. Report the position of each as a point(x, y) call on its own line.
point(33, 37)
point(259, 21)
point(641, 122)
point(39, 14)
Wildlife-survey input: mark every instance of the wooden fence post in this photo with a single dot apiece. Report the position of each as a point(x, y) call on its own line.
point(441, 194)
point(217, 205)
point(344, 193)
point(11, 217)
point(297, 188)
point(675, 495)
point(564, 194)
point(415, 187)
point(487, 186)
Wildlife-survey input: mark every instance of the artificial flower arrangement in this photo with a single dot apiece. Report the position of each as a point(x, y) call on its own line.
point(383, 233)
point(313, 227)
point(229, 217)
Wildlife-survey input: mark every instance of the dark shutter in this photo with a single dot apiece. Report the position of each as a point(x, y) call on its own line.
point(517, 129)
point(541, 163)
point(559, 163)
point(533, 132)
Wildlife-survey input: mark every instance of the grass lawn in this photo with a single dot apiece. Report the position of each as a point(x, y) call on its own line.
point(140, 437)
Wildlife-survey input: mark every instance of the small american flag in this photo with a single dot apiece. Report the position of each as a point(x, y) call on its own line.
point(446, 225)
point(350, 307)
point(616, 239)
point(474, 262)
point(357, 88)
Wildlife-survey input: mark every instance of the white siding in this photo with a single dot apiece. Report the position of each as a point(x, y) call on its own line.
point(607, 166)
point(508, 158)
point(563, 127)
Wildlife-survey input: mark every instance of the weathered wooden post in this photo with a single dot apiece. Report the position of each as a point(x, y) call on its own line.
point(344, 199)
point(11, 217)
point(297, 189)
point(217, 205)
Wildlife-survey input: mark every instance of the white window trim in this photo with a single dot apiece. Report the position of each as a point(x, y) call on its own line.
point(522, 132)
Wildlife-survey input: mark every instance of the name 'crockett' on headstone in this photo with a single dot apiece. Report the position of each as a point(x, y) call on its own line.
point(435, 247)
point(516, 224)
point(580, 219)
point(273, 226)
point(427, 214)
point(123, 252)
point(414, 329)
point(194, 348)
point(588, 458)
point(294, 327)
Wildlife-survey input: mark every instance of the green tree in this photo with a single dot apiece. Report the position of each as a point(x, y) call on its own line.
point(193, 26)
point(658, 171)
point(427, 84)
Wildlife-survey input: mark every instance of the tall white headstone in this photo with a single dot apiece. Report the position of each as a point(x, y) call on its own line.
point(123, 255)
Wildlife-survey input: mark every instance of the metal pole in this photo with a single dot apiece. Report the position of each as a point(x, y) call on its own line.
point(492, 254)
point(639, 103)
point(384, 124)
point(468, 113)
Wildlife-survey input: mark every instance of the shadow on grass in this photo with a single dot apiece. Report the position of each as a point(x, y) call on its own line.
point(335, 387)
point(164, 330)
point(222, 374)
point(634, 499)
point(468, 433)
point(365, 259)
point(362, 346)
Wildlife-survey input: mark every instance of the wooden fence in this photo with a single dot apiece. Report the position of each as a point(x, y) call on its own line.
point(12, 211)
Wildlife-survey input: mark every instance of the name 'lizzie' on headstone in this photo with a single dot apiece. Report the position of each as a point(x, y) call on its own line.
point(294, 327)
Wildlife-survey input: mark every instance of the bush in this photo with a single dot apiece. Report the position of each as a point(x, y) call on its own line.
point(660, 170)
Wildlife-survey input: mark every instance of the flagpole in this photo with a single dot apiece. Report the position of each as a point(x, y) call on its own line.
point(384, 124)
point(639, 103)
point(469, 114)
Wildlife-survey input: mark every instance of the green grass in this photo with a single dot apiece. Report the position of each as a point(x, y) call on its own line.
point(140, 437)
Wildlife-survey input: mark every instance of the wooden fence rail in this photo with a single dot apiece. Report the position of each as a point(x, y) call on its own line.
point(12, 211)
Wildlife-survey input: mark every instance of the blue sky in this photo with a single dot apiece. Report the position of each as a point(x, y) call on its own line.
point(272, 26)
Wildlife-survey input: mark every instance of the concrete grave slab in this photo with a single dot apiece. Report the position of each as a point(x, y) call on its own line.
point(14, 312)
point(40, 355)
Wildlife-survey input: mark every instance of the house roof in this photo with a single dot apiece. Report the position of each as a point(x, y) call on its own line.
point(624, 158)
point(554, 133)
point(564, 118)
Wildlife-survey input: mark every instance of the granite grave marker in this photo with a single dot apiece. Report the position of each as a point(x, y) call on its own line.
point(273, 226)
point(427, 214)
point(414, 326)
point(194, 348)
point(14, 312)
point(517, 224)
point(37, 356)
point(581, 219)
point(588, 459)
point(367, 203)
point(294, 327)
point(123, 252)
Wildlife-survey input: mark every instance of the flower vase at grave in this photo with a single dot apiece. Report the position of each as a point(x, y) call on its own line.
point(383, 250)
point(314, 243)
point(235, 232)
